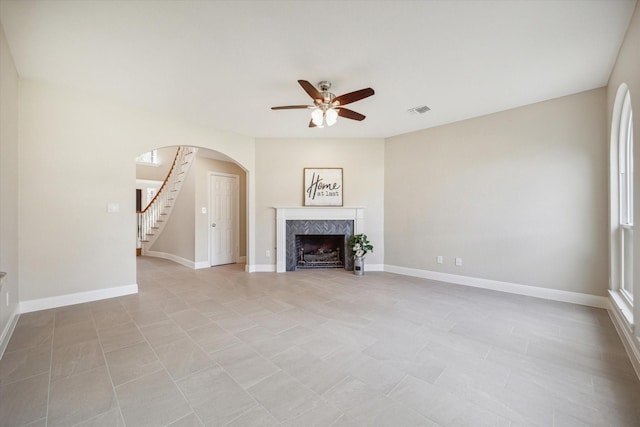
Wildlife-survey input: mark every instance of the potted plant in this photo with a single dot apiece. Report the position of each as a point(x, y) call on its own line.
point(359, 245)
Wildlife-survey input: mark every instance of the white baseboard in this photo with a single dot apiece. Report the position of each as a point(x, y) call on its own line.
point(513, 288)
point(374, 267)
point(8, 331)
point(175, 258)
point(260, 268)
point(195, 265)
point(76, 298)
point(625, 331)
point(200, 264)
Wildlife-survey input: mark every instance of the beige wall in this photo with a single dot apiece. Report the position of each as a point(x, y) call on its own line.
point(520, 196)
point(78, 154)
point(627, 67)
point(71, 166)
point(627, 70)
point(9, 84)
point(279, 168)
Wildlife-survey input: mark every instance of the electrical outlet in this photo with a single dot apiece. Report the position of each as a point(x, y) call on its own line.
point(439, 259)
point(458, 262)
point(267, 253)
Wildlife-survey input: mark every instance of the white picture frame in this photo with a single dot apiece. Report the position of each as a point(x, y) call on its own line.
point(322, 187)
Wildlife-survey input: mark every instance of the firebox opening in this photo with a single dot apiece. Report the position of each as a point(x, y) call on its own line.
point(320, 251)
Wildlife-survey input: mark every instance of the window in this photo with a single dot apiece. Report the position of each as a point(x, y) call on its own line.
point(150, 158)
point(625, 198)
point(621, 207)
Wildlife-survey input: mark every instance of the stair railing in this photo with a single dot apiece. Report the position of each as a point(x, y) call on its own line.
point(150, 219)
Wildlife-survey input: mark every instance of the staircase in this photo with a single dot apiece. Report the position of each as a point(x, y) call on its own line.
point(153, 218)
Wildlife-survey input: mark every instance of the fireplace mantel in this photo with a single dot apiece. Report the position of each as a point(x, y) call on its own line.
point(314, 213)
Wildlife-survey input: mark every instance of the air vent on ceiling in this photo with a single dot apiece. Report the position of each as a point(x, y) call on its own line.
point(419, 110)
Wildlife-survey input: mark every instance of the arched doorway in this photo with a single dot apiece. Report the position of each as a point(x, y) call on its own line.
point(184, 234)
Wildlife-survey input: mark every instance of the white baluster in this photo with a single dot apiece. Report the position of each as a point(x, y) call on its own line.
point(148, 220)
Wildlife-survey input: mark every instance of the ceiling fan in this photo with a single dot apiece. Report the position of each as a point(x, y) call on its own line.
point(326, 106)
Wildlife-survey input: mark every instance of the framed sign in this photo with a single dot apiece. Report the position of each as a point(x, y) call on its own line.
point(323, 186)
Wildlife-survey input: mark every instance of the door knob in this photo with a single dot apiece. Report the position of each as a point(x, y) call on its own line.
point(213, 224)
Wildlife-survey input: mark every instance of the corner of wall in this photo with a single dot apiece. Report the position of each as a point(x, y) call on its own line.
point(9, 177)
point(6, 333)
point(512, 288)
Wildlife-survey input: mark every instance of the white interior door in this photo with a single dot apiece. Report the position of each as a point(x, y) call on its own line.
point(223, 201)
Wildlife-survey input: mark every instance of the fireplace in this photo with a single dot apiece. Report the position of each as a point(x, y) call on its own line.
point(302, 229)
point(291, 223)
point(320, 251)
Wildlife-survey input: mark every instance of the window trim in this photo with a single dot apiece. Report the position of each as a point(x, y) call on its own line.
point(154, 159)
point(622, 114)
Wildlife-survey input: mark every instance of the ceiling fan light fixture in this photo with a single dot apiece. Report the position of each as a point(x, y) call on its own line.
point(326, 106)
point(317, 117)
point(331, 116)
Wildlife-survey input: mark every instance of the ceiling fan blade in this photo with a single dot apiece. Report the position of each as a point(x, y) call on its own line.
point(311, 90)
point(311, 124)
point(350, 97)
point(350, 114)
point(291, 107)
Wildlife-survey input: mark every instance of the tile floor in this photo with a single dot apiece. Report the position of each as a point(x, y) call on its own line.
point(220, 347)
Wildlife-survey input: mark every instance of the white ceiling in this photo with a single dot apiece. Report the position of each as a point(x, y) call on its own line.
point(225, 63)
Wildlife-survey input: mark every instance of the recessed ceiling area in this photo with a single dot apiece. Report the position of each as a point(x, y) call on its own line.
point(223, 64)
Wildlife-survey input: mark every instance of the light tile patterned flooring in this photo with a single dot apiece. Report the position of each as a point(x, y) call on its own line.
point(221, 347)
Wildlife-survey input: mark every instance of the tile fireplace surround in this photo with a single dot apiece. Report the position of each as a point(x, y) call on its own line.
point(311, 214)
